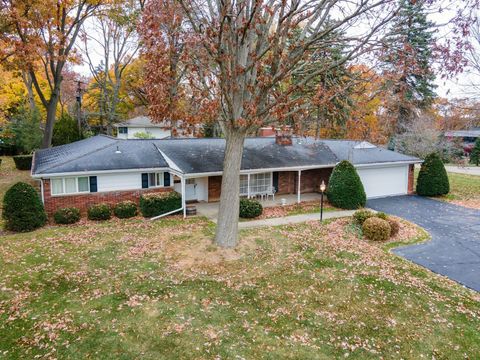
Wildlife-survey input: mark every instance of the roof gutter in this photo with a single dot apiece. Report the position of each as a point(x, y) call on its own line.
point(389, 163)
point(85, 173)
point(261, 170)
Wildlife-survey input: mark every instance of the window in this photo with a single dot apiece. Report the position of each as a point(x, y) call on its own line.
point(70, 185)
point(258, 183)
point(155, 179)
point(123, 130)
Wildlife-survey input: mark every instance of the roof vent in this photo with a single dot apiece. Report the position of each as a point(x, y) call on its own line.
point(364, 145)
point(118, 151)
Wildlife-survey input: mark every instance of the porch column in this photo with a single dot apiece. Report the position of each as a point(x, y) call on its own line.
point(182, 180)
point(248, 185)
point(298, 185)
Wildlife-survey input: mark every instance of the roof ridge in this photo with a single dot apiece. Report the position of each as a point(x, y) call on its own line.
point(80, 156)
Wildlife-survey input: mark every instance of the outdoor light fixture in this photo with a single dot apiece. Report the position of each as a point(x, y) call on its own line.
point(323, 187)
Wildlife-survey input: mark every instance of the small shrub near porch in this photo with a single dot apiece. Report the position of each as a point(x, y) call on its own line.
point(432, 178)
point(345, 189)
point(125, 209)
point(99, 212)
point(159, 203)
point(67, 215)
point(250, 208)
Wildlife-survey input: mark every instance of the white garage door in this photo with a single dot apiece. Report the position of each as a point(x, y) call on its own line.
point(384, 181)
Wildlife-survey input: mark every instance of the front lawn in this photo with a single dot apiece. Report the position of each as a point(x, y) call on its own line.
point(136, 289)
point(464, 190)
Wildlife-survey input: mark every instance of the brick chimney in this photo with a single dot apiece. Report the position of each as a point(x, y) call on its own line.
point(266, 131)
point(283, 136)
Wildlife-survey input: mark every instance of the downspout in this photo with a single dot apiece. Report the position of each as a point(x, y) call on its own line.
point(41, 191)
point(183, 207)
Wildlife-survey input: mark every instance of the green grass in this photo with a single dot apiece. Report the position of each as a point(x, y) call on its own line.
point(462, 187)
point(135, 289)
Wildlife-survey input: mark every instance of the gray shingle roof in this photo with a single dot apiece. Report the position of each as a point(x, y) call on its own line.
point(206, 155)
point(194, 155)
point(98, 153)
point(345, 150)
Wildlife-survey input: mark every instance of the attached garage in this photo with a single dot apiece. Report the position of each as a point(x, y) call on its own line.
point(382, 181)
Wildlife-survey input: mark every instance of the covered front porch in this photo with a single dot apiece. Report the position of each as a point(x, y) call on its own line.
point(210, 210)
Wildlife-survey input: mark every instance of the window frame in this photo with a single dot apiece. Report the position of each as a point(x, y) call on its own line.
point(267, 179)
point(64, 192)
point(123, 130)
point(159, 179)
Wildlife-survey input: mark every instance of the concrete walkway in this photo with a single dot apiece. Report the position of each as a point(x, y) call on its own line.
point(468, 170)
point(293, 219)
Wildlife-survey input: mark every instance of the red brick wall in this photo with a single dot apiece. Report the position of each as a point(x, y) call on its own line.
point(83, 201)
point(411, 178)
point(287, 182)
point(310, 180)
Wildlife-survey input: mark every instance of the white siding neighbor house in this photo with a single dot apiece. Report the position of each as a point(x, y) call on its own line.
point(141, 127)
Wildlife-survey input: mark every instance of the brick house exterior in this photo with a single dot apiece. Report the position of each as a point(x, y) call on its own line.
point(411, 178)
point(287, 182)
point(84, 201)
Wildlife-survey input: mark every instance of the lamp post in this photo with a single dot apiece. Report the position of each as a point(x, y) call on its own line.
point(323, 187)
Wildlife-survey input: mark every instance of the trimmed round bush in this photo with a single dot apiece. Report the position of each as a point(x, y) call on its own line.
point(125, 209)
point(432, 179)
point(156, 204)
point(345, 189)
point(381, 215)
point(23, 162)
point(99, 212)
point(361, 215)
point(69, 215)
point(376, 229)
point(394, 226)
point(250, 208)
point(22, 208)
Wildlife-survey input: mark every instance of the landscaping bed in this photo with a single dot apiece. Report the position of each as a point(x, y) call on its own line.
point(140, 289)
point(305, 207)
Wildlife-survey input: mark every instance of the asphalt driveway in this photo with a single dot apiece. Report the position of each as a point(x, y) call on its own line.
point(454, 250)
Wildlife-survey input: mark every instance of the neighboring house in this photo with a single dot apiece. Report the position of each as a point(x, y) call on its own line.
point(467, 137)
point(106, 169)
point(142, 125)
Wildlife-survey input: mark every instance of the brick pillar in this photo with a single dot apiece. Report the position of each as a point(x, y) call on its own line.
point(411, 178)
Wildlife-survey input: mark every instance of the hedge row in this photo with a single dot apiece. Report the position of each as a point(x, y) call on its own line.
point(23, 162)
point(156, 204)
point(23, 209)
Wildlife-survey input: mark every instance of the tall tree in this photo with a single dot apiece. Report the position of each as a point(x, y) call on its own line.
point(112, 33)
point(408, 61)
point(41, 34)
point(244, 55)
point(324, 101)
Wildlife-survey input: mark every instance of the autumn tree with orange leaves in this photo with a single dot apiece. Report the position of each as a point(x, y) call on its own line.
point(40, 36)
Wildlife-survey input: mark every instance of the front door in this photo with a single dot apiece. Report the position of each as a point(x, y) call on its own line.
point(190, 190)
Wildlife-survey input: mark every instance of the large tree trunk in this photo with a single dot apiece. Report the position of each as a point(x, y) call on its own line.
point(51, 115)
point(227, 226)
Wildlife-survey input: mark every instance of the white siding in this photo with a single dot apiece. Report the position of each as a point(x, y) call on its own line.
point(157, 133)
point(384, 181)
point(119, 181)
